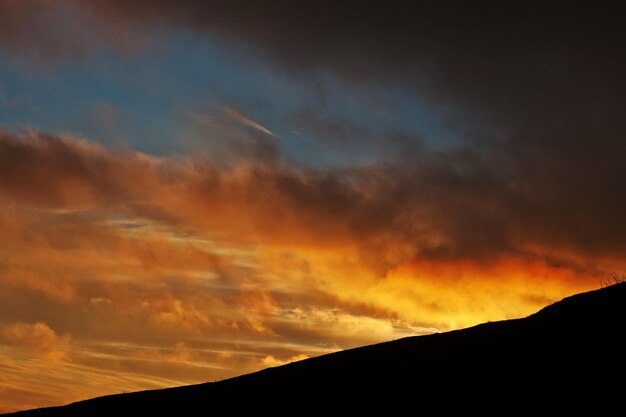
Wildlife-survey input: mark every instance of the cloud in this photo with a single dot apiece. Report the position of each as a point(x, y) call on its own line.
point(537, 111)
point(535, 93)
point(35, 32)
point(510, 65)
point(271, 361)
point(334, 228)
point(539, 78)
point(537, 102)
point(170, 270)
point(506, 57)
point(456, 204)
point(36, 338)
point(228, 136)
point(241, 118)
point(77, 170)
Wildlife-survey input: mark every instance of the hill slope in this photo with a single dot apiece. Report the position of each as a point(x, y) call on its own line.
point(569, 352)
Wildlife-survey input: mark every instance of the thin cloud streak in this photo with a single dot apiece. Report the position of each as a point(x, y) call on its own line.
point(246, 121)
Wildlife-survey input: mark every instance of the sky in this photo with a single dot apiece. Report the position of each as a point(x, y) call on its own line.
point(195, 190)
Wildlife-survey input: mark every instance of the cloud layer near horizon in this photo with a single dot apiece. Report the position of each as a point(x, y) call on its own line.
point(213, 272)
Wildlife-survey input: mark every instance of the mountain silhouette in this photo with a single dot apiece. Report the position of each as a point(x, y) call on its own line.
point(570, 354)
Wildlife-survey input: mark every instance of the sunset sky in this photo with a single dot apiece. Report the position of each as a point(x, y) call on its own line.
point(193, 190)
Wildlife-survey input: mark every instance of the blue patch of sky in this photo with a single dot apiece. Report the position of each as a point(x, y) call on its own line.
point(146, 99)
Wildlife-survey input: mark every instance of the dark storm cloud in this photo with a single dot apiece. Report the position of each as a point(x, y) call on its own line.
point(38, 31)
point(468, 203)
point(504, 57)
point(19, 21)
point(52, 171)
point(354, 142)
point(536, 90)
point(516, 62)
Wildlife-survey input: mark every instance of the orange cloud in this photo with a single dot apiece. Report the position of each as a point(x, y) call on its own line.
point(124, 271)
point(271, 361)
point(35, 338)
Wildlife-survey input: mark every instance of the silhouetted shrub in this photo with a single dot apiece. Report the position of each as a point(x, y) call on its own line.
point(614, 279)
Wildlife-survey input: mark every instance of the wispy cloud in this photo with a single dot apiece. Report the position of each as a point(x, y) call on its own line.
point(233, 117)
point(244, 120)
